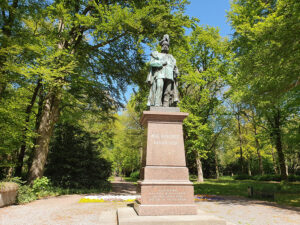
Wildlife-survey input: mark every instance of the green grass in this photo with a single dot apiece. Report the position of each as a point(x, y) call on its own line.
point(130, 179)
point(285, 193)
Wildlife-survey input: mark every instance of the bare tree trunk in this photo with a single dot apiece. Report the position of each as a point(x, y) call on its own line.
point(200, 178)
point(37, 124)
point(274, 162)
point(10, 170)
point(240, 143)
point(216, 164)
point(48, 119)
point(261, 167)
point(278, 143)
point(249, 167)
point(23, 145)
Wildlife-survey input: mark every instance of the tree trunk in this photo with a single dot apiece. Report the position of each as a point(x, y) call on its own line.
point(10, 169)
point(274, 162)
point(200, 178)
point(37, 123)
point(216, 164)
point(23, 145)
point(278, 144)
point(48, 119)
point(261, 167)
point(240, 143)
point(249, 167)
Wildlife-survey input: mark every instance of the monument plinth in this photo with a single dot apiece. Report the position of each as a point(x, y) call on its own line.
point(165, 187)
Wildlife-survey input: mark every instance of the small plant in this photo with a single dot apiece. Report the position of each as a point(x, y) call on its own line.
point(135, 174)
point(42, 187)
point(26, 194)
point(41, 184)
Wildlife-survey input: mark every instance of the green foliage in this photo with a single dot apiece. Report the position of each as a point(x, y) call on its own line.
point(265, 75)
point(267, 46)
point(204, 62)
point(74, 161)
point(268, 177)
point(128, 139)
point(135, 174)
point(41, 186)
point(69, 49)
point(293, 178)
point(26, 194)
point(242, 177)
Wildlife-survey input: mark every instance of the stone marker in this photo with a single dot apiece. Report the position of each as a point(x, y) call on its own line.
point(165, 186)
point(8, 193)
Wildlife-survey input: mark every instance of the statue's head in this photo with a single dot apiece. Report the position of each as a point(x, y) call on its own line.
point(164, 43)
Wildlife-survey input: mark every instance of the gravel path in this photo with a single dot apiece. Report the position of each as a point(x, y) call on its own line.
point(65, 210)
point(251, 212)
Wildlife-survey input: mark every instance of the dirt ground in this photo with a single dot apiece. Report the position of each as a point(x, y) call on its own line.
point(65, 210)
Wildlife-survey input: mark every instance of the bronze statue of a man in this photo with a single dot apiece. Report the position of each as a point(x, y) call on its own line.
point(162, 77)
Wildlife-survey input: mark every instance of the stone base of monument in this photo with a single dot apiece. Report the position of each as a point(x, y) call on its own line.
point(128, 216)
point(161, 198)
point(165, 187)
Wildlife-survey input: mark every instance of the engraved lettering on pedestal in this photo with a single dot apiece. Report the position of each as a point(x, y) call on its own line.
point(169, 195)
point(165, 139)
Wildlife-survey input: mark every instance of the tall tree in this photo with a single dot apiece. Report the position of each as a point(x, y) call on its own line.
point(266, 41)
point(204, 65)
point(70, 47)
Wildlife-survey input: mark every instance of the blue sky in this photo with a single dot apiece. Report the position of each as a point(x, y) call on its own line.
point(210, 12)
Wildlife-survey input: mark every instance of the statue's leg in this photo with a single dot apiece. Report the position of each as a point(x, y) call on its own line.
point(167, 93)
point(152, 102)
point(150, 97)
point(159, 91)
point(176, 98)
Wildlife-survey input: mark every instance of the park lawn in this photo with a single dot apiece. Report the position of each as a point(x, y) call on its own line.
point(285, 193)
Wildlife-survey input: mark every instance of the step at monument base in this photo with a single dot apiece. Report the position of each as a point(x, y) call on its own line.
point(161, 210)
point(128, 216)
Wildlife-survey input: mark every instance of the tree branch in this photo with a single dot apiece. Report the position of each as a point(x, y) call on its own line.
point(108, 41)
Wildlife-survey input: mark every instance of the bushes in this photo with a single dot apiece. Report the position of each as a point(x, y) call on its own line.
point(293, 178)
point(41, 188)
point(26, 194)
point(74, 160)
point(266, 177)
point(135, 175)
point(242, 177)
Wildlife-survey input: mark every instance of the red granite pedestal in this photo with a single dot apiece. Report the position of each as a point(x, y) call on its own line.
point(165, 187)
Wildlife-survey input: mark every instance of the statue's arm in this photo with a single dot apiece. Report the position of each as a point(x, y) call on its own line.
point(149, 77)
point(157, 62)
